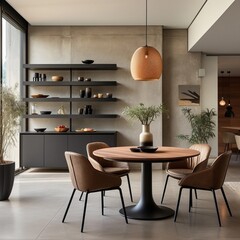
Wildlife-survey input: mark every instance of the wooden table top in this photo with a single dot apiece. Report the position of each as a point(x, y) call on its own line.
point(163, 154)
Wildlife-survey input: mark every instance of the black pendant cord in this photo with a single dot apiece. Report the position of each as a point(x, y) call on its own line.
point(146, 23)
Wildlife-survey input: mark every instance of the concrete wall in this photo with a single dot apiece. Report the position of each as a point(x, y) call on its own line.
point(181, 68)
point(209, 96)
point(104, 45)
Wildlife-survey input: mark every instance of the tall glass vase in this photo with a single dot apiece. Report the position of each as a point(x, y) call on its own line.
point(145, 137)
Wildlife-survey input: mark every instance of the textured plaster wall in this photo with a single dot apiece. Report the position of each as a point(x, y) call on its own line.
point(180, 68)
point(104, 45)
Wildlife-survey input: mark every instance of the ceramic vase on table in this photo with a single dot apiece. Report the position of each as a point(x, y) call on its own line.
point(146, 137)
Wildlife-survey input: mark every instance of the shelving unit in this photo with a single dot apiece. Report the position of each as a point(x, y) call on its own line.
point(70, 84)
point(47, 148)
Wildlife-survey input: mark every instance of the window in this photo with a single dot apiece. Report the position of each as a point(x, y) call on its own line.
point(13, 35)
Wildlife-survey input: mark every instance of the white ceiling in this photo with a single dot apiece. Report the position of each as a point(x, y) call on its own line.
point(222, 38)
point(169, 13)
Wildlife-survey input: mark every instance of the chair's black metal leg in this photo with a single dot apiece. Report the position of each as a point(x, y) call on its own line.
point(102, 201)
point(195, 190)
point(190, 200)
point(80, 199)
point(84, 211)
point(237, 154)
point(164, 190)
point(226, 201)
point(178, 202)
point(69, 203)
point(129, 186)
point(123, 205)
point(216, 205)
point(104, 193)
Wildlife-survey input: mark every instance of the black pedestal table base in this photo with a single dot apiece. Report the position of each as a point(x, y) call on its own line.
point(147, 209)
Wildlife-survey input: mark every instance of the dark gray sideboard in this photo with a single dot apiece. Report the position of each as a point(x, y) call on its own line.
point(46, 150)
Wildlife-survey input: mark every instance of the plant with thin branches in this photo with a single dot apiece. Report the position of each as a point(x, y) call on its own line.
point(144, 114)
point(11, 111)
point(202, 125)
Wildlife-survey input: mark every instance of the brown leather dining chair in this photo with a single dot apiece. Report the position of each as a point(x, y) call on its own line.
point(209, 179)
point(180, 169)
point(87, 179)
point(120, 169)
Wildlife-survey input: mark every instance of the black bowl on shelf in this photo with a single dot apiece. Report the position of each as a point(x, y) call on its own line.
point(45, 112)
point(40, 129)
point(88, 61)
point(148, 149)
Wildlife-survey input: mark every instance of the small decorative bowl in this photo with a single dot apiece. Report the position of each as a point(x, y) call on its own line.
point(88, 61)
point(135, 149)
point(40, 129)
point(58, 129)
point(148, 149)
point(57, 78)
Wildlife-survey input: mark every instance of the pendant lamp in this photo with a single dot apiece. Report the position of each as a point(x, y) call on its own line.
point(146, 62)
point(222, 102)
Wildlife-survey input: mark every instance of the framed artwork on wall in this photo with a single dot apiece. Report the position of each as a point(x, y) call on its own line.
point(189, 95)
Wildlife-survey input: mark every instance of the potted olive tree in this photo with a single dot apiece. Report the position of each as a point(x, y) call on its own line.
point(202, 125)
point(11, 111)
point(145, 115)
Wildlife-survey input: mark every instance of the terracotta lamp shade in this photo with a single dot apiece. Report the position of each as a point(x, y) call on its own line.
point(146, 64)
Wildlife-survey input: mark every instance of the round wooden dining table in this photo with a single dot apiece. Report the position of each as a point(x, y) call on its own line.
point(146, 208)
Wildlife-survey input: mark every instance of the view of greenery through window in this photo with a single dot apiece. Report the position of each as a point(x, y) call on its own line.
point(11, 71)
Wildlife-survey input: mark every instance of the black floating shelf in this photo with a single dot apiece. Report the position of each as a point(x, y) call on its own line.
point(95, 116)
point(93, 99)
point(51, 99)
point(67, 83)
point(71, 66)
point(71, 116)
point(69, 99)
point(47, 116)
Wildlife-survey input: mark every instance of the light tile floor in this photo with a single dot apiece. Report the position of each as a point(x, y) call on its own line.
point(39, 198)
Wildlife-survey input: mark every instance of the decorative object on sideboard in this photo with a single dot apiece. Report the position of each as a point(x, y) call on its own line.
point(40, 129)
point(61, 128)
point(145, 115)
point(88, 80)
point(146, 62)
